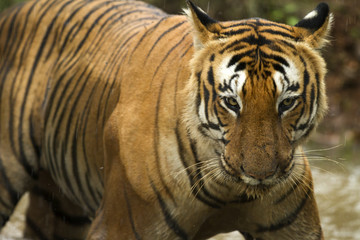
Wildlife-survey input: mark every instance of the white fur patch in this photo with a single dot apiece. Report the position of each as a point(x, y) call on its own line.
point(312, 14)
point(293, 77)
point(236, 80)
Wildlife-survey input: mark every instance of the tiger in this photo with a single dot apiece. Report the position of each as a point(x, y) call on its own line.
point(136, 124)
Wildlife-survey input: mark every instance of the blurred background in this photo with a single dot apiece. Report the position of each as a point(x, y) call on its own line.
point(334, 150)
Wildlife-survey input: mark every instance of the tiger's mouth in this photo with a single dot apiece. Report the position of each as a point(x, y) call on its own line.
point(278, 176)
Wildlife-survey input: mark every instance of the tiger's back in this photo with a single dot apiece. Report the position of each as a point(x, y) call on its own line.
point(64, 69)
point(123, 107)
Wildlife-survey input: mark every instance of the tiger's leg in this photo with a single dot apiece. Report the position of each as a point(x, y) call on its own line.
point(14, 181)
point(51, 215)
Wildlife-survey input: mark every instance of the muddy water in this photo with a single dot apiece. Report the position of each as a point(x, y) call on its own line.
point(337, 188)
point(336, 175)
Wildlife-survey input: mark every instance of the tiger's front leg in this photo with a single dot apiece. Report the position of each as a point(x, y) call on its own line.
point(128, 210)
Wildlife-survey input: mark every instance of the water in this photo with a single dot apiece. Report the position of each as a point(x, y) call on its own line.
point(337, 189)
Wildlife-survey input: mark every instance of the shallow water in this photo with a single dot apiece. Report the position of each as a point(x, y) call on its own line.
point(337, 189)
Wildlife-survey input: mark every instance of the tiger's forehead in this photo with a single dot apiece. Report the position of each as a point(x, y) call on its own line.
point(232, 79)
point(257, 50)
point(257, 26)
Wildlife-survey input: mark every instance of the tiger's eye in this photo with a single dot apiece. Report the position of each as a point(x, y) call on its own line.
point(286, 104)
point(288, 101)
point(232, 101)
point(232, 104)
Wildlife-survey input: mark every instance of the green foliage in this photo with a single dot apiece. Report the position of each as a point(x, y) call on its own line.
point(286, 14)
point(7, 3)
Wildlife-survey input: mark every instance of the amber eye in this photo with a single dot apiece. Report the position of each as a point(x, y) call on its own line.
point(232, 101)
point(286, 104)
point(232, 104)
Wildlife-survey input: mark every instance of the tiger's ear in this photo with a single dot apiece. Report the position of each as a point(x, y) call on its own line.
point(315, 26)
point(205, 28)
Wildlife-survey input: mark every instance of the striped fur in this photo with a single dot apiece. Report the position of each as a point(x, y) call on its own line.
point(156, 126)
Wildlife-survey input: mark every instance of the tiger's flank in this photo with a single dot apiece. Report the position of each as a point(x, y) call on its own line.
point(129, 123)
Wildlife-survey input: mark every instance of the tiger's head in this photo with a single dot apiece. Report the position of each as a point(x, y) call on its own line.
point(256, 91)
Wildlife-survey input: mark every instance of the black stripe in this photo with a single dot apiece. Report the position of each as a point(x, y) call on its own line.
point(83, 122)
point(23, 159)
point(131, 218)
point(306, 81)
point(274, 88)
point(187, 50)
point(257, 40)
point(168, 53)
point(199, 176)
point(211, 80)
point(170, 221)
point(150, 30)
point(235, 25)
point(62, 94)
point(90, 29)
point(203, 132)
point(276, 58)
point(279, 68)
point(191, 176)
point(236, 58)
point(157, 142)
point(274, 32)
point(235, 32)
point(272, 24)
point(64, 172)
point(318, 95)
point(57, 130)
point(34, 144)
point(218, 116)
point(240, 67)
point(294, 87)
point(311, 108)
point(88, 15)
point(11, 40)
point(73, 142)
point(288, 220)
point(72, 15)
point(50, 98)
point(198, 94)
point(67, 37)
point(75, 168)
point(292, 189)
point(211, 126)
point(13, 193)
point(163, 35)
point(206, 94)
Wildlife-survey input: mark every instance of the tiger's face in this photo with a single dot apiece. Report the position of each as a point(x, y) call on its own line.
point(260, 92)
